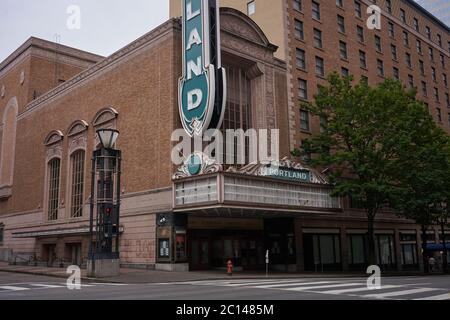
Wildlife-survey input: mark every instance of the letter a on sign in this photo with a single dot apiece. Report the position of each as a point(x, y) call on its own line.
point(202, 87)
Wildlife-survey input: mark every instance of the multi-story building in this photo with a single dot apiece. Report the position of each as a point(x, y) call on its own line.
point(319, 37)
point(54, 98)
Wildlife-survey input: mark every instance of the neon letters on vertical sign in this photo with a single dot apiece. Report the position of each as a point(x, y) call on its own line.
point(202, 86)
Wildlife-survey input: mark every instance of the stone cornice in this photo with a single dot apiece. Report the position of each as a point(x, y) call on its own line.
point(36, 44)
point(115, 58)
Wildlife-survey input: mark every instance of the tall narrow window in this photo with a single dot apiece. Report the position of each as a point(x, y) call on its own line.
point(394, 52)
point(343, 50)
point(391, 29)
point(301, 58)
point(389, 6)
point(403, 15)
point(238, 114)
point(416, 24)
point(320, 67)
point(297, 4)
point(299, 32)
point(304, 120)
point(362, 59)
point(315, 10)
point(77, 162)
point(53, 188)
point(358, 10)
point(318, 38)
point(302, 89)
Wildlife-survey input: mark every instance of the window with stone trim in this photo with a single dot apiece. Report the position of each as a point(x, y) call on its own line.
point(54, 169)
point(77, 160)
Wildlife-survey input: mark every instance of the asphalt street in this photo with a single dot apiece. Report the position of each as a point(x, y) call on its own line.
point(14, 286)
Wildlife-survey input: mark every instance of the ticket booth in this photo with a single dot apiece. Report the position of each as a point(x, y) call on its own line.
point(171, 252)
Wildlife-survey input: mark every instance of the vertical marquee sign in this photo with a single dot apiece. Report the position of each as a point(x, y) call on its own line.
point(202, 87)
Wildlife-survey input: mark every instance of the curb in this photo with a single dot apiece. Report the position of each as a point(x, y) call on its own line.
point(219, 278)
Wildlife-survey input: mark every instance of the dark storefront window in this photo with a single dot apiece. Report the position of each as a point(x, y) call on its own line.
point(408, 243)
point(385, 251)
point(322, 252)
point(357, 251)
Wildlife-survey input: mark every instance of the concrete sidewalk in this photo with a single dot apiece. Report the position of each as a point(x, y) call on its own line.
point(136, 276)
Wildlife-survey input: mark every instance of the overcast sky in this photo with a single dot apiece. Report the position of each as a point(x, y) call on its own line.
point(106, 25)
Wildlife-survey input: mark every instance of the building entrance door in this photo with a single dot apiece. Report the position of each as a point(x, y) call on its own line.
point(212, 250)
point(49, 254)
point(200, 254)
point(76, 254)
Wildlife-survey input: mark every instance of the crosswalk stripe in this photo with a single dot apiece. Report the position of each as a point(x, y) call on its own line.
point(323, 287)
point(280, 285)
point(399, 293)
point(438, 297)
point(342, 291)
point(49, 286)
point(13, 288)
point(255, 283)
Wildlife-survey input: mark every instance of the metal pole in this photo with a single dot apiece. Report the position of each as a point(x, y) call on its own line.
point(91, 213)
point(119, 172)
point(445, 253)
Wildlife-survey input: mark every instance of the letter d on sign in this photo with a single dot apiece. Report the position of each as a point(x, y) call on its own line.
point(74, 280)
point(374, 281)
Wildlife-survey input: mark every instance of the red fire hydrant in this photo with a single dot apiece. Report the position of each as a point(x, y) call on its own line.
point(230, 268)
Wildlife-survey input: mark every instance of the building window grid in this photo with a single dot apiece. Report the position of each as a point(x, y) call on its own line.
point(343, 50)
point(315, 10)
point(405, 39)
point(77, 160)
point(318, 38)
point(299, 31)
point(302, 89)
point(408, 60)
point(358, 9)
point(378, 45)
point(53, 188)
point(389, 6)
point(341, 23)
point(419, 46)
point(403, 15)
point(362, 59)
point(394, 52)
point(320, 67)
point(297, 4)
point(304, 120)
point(411, 80)
point(391, 29)
point(360, 33)
point(301, 58)
point(396, 73)
point(380, 67)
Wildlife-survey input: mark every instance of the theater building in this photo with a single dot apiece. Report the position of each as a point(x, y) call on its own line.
point(54, 98)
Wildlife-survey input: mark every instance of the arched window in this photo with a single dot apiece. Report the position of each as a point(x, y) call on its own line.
point(9, 122)
point(77, 163)
point(54, 168)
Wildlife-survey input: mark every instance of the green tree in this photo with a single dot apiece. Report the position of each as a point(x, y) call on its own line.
point(362, 129)
point(422, 186)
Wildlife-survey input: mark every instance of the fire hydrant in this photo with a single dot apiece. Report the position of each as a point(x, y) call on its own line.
point(230, 268)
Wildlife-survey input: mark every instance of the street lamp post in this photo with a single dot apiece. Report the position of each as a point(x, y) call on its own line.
point(105, 207)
